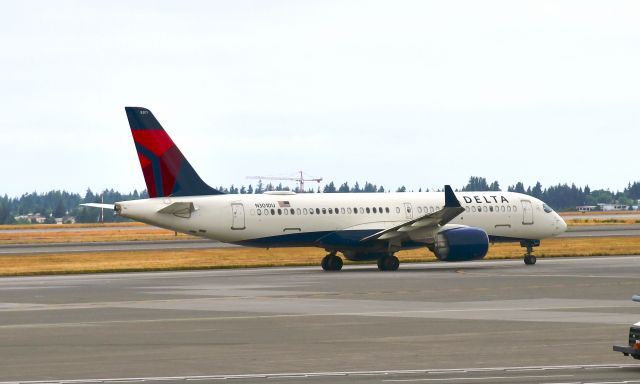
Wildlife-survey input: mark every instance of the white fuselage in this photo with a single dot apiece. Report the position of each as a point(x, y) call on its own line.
point(271, 220)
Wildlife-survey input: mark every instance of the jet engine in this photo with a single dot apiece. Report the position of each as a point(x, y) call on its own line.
point(461, 244)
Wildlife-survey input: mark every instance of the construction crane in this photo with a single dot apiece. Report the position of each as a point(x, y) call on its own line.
point(299, 179)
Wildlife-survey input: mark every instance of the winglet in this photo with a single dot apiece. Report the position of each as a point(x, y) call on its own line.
point(450, 199)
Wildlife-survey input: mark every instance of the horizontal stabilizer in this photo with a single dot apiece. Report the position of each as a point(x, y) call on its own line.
point(99, 205)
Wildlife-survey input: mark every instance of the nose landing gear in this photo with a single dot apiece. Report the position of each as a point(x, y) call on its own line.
point(529, 259)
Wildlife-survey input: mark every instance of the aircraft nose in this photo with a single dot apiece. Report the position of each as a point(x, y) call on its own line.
point(560, 224)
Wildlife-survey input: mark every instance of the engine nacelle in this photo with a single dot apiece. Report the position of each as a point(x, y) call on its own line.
point(461, 244)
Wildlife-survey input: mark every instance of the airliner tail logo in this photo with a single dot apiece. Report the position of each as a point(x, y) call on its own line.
point(166, 171)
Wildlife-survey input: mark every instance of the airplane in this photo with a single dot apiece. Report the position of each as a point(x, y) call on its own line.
point(455, 226)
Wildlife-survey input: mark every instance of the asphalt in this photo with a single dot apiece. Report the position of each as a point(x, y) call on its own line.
point(486, 321)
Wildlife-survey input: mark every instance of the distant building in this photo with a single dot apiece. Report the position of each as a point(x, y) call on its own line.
point(613, 207)
point(586, 208)
point(66, 220)
point(36, 218)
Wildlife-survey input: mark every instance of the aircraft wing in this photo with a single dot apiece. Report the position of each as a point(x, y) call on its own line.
point(451, 209)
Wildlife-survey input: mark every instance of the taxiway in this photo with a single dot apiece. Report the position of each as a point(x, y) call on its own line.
point(486, 321)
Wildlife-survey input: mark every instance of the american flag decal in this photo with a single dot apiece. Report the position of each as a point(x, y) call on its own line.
point(284, 204)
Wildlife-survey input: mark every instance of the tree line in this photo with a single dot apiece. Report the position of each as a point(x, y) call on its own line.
point(59, 204)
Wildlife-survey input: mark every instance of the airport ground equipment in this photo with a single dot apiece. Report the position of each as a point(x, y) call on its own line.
point(633, 347)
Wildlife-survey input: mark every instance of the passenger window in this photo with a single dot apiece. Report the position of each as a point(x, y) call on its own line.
point(304, 211)
point(497, 208)
point(317, 211)
point(479, 208)
point(502, 208)
point(374, 210)
point(355, 210)
point(330, 210)
point(368, 210)
point(311, 211)
point(361, 210)
point(484, 209)
point(515, 209)
point(387, 209)
point(419, 209)
point(336, 211)
point(473, 209)
point(298, 211)
point(279, 211)
point(397, 209)
point(342, 210)
point(259, 212)
point(349, 210)
point(324, 211)
point(273, 212)
point(286, 212)
point(266, 212)
point(508, 208)
point(431, 209)
point(380, 209)
point(466, 208)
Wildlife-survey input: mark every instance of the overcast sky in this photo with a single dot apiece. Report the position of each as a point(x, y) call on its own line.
point(413, 93)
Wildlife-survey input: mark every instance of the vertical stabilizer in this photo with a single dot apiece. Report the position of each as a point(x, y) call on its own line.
point(166, 171)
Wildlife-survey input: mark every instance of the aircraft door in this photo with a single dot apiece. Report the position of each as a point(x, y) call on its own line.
point(408, 211)
point(237, 212)
point(527, 212)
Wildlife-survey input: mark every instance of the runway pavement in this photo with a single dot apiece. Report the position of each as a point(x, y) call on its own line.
point(486, 321)
point(24, 249)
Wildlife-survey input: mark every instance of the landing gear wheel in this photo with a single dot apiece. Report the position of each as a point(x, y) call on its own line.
point(325, 263)
point(529, 259)
point(331, 263)
point(388, 263)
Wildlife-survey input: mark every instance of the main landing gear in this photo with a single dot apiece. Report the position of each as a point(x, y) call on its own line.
point(331, 262)
point(529, 259)
point(388, 263)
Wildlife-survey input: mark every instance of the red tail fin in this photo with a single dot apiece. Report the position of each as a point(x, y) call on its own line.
point(166, 171)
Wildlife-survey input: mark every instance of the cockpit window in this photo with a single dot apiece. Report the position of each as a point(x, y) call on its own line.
point(547, 208)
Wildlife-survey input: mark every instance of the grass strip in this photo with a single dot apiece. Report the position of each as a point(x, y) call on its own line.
point(171, 260)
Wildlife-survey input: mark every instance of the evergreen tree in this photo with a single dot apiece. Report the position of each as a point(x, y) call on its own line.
point(368, 187)
point(329, 188)
point(476, 184)
point(344, 188)
point(536, 191)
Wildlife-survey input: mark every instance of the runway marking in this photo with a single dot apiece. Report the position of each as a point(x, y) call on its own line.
point(476, 378)
point(303, 375)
